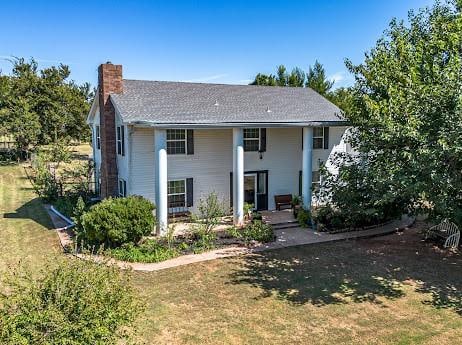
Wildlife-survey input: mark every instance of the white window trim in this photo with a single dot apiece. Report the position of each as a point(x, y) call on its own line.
point(98, 137)
point(123, 183)
point(253, 139)
point(185, 143)
point(319, 137)
point(185, 193)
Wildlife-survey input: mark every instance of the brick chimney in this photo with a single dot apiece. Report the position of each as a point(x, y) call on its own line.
point(109, 81)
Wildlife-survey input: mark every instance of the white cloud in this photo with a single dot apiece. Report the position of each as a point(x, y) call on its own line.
point(207, 78)
point(341, 78)
point(337, 77)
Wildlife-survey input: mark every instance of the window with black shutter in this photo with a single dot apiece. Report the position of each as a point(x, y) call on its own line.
point(320, 138)
point(176, 193)
point(254, 139)
point(120, 138)
point(178, 140)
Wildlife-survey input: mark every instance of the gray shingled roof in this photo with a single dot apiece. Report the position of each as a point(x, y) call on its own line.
point(162, 103)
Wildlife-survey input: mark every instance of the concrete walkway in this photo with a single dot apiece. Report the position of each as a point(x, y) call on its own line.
point(284, 238)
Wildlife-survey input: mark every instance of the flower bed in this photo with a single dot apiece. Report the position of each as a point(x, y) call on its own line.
point(122, 229)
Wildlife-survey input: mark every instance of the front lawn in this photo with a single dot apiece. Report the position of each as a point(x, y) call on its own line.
point(387, 290)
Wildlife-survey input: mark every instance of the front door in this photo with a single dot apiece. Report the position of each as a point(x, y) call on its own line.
point(255, 189)
point(250, 190)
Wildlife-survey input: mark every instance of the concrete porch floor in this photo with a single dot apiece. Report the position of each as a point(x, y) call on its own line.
point(274, 217)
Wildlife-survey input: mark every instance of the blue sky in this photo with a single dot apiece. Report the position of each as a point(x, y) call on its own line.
point(202, 41)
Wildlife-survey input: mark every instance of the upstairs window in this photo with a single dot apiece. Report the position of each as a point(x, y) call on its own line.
point(121, 140)
point(176, 141)
point(318, 137)
point(251, 139)
point(97, 138)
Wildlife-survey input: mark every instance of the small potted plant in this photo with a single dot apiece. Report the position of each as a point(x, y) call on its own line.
point(296, 201)
point(248, 210)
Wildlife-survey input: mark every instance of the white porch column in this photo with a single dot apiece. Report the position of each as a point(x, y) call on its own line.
point(238, 176)
point(307, 166)
point(160, 149)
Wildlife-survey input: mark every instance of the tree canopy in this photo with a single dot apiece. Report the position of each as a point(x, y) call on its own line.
point(406, 111)
point(315, 78)
point(39, 107)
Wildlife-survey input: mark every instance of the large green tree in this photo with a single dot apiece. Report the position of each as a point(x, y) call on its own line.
point(42, 106)
point(406, 110)
point(315, 78)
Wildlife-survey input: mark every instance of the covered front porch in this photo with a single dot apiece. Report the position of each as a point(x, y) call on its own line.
point(245, 182)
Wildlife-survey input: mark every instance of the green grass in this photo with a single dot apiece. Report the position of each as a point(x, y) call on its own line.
point(24, 226)
point(388, 290)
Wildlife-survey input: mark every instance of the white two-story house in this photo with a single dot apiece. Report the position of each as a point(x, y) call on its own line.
point(174, 142)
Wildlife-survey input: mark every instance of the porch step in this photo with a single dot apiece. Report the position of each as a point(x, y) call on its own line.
point(286, 225)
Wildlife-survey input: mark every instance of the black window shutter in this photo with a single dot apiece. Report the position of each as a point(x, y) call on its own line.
point(118, 140)
point(262, 139)
point(125, 188)
point(190, 140)
point(326, 138)
point(122, 133)
point(302, 138)
point(300, 183)
point(231, 189)
point(189, 192)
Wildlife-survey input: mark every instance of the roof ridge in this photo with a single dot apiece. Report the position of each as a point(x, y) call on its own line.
point(222, 84)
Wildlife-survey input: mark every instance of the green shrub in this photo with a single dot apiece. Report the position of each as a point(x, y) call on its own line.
point(258, 231)
point(304, 217)
point(211, 210)
point(77, 213)
point(114, 222)
point(148, 251)
point(254, 231)
point(65, 205)
point(69, 302)
point(256, 216)
point(203, 239)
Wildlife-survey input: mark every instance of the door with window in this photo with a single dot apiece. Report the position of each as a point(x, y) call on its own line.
point(250, 189)
point(255, 189)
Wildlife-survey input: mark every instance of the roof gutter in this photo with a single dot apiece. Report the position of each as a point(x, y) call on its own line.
point(239, 124)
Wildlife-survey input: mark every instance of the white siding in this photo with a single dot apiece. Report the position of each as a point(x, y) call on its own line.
point(142, 163)
point(211, 164)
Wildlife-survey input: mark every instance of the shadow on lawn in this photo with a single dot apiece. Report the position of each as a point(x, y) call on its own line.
point(33, 210)
point(356, 271)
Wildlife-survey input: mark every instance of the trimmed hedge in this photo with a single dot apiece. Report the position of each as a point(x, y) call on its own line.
point(114, 222)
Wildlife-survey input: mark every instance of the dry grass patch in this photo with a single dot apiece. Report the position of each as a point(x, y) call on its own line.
point(387, 290)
